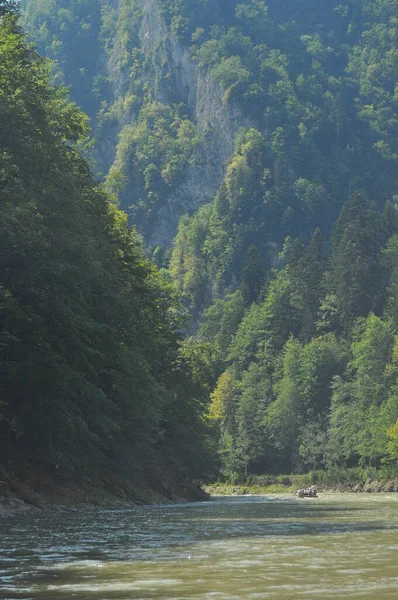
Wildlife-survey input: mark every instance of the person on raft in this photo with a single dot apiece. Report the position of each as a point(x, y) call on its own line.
point(310, 492)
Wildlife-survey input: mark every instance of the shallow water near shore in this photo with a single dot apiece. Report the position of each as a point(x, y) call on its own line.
point(230, 548)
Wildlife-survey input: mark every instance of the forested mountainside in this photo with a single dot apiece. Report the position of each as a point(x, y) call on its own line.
point(94, 379)
point(268, 130)
point(175, 80)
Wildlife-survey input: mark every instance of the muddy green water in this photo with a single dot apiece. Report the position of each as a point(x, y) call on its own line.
point(270, 547)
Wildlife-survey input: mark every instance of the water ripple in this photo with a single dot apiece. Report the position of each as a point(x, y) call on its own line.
point(275, 548)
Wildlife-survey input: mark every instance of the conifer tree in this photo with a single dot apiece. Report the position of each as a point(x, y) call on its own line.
point(356, 268)
point(252, 277)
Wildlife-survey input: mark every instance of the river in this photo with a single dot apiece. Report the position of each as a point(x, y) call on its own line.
point(232, 548)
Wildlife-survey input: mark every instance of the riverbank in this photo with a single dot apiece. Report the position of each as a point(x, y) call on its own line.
point(36, 491)
point(345, 482)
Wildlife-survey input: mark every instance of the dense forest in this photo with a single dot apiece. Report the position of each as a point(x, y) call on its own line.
point(94, 377)
point(289, 274)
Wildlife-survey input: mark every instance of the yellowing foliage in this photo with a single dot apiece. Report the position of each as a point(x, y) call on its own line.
point(222, 396)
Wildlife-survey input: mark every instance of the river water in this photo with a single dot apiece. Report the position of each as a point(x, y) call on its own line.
point(266, 547)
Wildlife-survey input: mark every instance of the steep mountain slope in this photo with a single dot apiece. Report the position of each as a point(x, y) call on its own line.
point(302, 75)
point(274, 126)
point(94, 381)
point(137, 82)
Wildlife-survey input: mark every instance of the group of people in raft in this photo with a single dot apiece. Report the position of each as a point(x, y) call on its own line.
point(310, 492)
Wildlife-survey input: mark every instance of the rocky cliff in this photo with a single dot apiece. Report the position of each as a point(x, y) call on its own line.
point(216, 121)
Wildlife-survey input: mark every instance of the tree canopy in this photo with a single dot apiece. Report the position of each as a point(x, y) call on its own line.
point(288, 275)
point(92, 374)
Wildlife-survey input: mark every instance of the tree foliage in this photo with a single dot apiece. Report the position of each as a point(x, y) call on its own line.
point(289, 276)
point(92, 373)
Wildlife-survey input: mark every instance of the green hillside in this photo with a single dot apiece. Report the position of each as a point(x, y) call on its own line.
point(94, 378)
point(288, 271)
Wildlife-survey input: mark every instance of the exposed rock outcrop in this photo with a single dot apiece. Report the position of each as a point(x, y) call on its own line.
point(217, 122)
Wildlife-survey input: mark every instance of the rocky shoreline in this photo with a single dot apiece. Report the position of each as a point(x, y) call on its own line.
point(17, 497)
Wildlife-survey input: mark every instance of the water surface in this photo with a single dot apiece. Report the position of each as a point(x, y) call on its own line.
point(268, 547)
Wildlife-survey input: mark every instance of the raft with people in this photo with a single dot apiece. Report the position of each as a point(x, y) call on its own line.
point(310, 492)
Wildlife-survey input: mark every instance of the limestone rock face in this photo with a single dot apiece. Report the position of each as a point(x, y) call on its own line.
point(216, 121)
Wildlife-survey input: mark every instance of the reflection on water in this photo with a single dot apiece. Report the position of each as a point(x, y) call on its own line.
point(279, 548)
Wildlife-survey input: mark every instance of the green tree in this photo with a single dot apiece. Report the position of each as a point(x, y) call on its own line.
point(251, 443)
point(220, 322)
point(390, 256)
point(297, 419)
point(356, 267)
point(252, 276)
point(362, 406)
point(392, 445)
